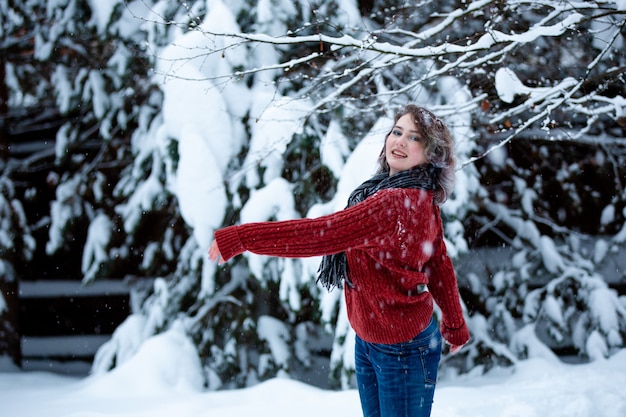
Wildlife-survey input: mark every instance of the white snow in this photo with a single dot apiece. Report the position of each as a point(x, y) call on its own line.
point(97, 89)
point(103, 9)
point(551, 257)
point(608, 215)
point(164, 379)
point(334, 148)
point(63, 89)
point(199, 110)
point(277, 336)
point(600, 250)
point(271, 133)
point(62, 210)
point(95, 250)
point(508, 85)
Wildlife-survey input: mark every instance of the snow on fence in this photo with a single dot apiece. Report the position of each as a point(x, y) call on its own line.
point(63, 323)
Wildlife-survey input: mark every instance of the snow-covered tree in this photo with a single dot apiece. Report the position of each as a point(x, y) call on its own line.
point(179, 118)
point(76, 74)
point(505, 75)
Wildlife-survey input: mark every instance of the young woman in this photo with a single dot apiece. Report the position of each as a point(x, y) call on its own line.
point(387, 250)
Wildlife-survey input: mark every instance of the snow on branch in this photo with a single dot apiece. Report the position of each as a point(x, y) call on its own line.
point(485, 42)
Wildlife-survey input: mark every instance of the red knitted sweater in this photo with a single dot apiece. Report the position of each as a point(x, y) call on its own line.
point(393, 241)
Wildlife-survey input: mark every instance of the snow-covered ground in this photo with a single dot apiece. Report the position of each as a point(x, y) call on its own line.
point(163, 380)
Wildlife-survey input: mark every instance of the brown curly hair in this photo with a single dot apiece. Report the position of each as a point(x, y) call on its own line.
point(438, 148)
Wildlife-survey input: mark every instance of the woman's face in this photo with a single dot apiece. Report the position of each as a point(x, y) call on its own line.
point(404, 147)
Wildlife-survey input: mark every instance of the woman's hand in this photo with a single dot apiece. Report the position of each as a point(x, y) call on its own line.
point(214, 253)
point(455, 348)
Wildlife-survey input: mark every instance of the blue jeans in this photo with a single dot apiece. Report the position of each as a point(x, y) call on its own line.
point(399, 380)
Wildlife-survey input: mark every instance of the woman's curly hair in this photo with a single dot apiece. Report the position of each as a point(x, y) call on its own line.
point(438, 147)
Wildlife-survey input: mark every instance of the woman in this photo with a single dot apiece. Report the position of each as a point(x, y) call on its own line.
point(388, 248)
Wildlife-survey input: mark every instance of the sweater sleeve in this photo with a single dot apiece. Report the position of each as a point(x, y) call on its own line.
point(355, 227)
point(443, 286)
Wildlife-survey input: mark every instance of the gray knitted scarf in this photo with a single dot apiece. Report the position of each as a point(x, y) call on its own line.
point(333, 269)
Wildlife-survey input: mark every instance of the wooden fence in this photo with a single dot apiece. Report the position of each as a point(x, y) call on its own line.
point(63, 323)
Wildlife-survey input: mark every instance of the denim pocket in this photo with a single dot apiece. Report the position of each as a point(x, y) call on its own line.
point(429, 346)
point(430, 357)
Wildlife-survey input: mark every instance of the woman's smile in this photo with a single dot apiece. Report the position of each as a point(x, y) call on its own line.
point(398, 154)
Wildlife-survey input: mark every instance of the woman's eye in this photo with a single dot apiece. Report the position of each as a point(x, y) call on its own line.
point(415, 138)
point(396, 132)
